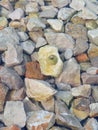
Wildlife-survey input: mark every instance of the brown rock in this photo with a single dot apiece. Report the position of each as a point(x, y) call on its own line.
point(13, 127)
point(33, 70)
point(82, 57)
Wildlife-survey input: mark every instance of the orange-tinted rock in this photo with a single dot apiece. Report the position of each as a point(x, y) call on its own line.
point(13, 127)
point(82, 58)
point(33, 70)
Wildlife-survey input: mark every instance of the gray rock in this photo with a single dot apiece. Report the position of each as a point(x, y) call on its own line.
point(23, 36)
point(14, 113)
point(71, 73)
point(13, 55)
point(20, 69)
point(93, 110)
point(28, 46)
point(41, 42)
point(61, 40)
point(60, 3)
point(65, 13)
point(89, 78)
point(95, 93)
point(92, 70)
point(40, 119)
point(10, 78)
point(68, 54)
point(17, 14)
point(63, 86)
point(34, 23)
point(80, 46)
point(84, 66)
point(32, 7)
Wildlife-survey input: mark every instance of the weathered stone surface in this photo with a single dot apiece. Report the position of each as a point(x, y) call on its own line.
point(61, 40)
point(82, 58)
point(40, 120)
point(34, 56)
point(63, 86)
point(93, 110)
point(33, 70)
point(68, 54)
point(12, 127)
point(13, 55)
point(60, 3)
point(91, 24)
point(71, 73)
point(89, 78)
point(92, 70)
point(32, 7)
point(20, 69)
point(77, 5)
point(65, 13)
point(41, 42)
point(35, 23)
point(49, 60)
point(95, 93)
point(28, 46)
point(17, 14)
point(38, 89)
point(9, 77)
point(93, 54)
point(85, 65)
point(3, 22)
point(77, 20)
point(76, 31)
point(3, 93)
point(14, 113)
point(23, 36)
point(91, 124)
point(58, 128)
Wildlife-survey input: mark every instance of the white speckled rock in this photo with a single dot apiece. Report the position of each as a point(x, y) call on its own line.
point(32, 7)
point(50, 62)
point(93, 110)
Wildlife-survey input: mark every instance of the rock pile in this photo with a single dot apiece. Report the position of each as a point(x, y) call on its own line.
point(49, 65)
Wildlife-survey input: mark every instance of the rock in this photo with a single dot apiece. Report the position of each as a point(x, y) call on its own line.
point(63, 86)
point(92, 34)
point(20, 69)
point(76, 31)
point(40, 42)
point(40, 120)
point(56, 24)
point(48, 105)
point(61, 40)
point(14, 113)
point(89, 78)
point(80, 47)
point(6, 4)
point(49, 60)
point(71, 73)
point(65, 13)
point(87, 14)
point(77, 20)
point(34, 23)
point(85, 65)
point(80, 108)
point(9, 77)
point(95, 93)
point(34, 56)
point(60, 3)
point(77, 5)
point(91, 124)
point(93, 110)
point(91, 24)
point(21, 4)
point(28, 46)
point(32, 7)
point(68, 54)
point(23, 36)
point(17, 14)
point(3, 93)
point(83, 90)
point(82, 58)
point(38, 89)
point(93, 54)
point(12, 127)
point(13, 55)
point(92, 70)
point(65, 96)
point(3, 22)
point(58, 128)
point(33, 70)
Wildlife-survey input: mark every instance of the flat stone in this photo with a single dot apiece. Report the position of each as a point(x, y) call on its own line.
point(56, 24)
point(28, 46)
point(68, 54)
point(61, 40)
point(49, 60)
point(33, 70)
point(23, 36)
point(89, 78)
point(32, 7)
point(91, 124)
point(82, 58)
point(93, 54)
point(34, 56)
point(93, 36)
point(3, 93)
point(3, 22)
point(60, 3)
point(95, 93)
point(71, 73)
point(40, 120)
point(20, 69)
point(13, 55)
point(14, 113)
point(92, 70)
point(65, 13)
point(76, 31)
point(63, 86)
point(38, 89)
point(77, 5)
point(41, 42)
point(35, 23)
point(80, 47)
point(9, 77)
point(91, 24)
point(93, 110)
point(77, 20)
point(17, 14)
